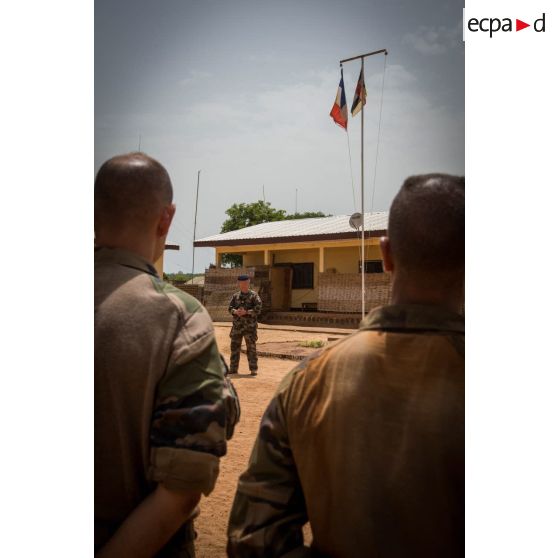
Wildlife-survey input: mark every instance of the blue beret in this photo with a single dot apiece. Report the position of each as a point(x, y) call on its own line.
point(243, 278)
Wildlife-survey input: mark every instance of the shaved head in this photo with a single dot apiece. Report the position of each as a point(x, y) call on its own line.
point(426, 226)
point(130, 191)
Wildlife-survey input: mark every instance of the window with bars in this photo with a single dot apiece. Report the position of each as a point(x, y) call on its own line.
point(303, 276)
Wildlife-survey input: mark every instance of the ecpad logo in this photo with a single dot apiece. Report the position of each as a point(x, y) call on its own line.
point(493, 25)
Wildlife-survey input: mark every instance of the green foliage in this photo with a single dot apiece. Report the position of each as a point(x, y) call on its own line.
point(231, 260)
point(307, 215)
point(243, 215)
point(180, 277)
point(314, 344)
point(247, 214)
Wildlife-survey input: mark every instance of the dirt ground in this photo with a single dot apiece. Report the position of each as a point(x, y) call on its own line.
point(254, 394)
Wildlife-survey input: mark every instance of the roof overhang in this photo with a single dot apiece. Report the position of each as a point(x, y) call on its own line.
point(288, 239)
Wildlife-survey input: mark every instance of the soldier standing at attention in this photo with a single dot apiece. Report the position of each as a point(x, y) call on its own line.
point(245, 307)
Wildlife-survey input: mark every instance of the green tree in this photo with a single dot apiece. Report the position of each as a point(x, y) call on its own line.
point(307, 215)
point(243, 215)
point(247, 214)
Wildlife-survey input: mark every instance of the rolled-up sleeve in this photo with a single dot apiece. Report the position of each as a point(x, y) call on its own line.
point(191, 417)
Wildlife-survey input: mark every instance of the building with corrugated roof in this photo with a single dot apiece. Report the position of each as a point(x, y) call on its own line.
point(303, 264)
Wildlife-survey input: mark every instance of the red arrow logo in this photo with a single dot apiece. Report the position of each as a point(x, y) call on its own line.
point(519, 25)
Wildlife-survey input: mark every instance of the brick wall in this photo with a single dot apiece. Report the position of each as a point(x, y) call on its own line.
point(221, 284)
point(341, 292)
point(195, 290)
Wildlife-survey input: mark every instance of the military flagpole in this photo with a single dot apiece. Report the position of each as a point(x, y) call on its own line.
point(362, 264)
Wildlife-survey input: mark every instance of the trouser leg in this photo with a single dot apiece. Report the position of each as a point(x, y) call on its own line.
point(236, 342)
point(251, 338)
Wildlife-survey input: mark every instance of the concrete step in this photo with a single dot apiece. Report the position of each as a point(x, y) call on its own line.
point(309, 319)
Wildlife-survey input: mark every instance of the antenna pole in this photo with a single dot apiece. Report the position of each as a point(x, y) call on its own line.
point(139, 143)
point(296, 201)
point(362, 194)
point(263, 188)
point(195, 222)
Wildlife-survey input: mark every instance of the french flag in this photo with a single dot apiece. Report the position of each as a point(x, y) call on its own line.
point(339, 109)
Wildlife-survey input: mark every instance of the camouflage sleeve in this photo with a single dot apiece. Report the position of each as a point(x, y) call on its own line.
point(269, 510)
point(257, 302)
point(194, 410)
point(232, 305)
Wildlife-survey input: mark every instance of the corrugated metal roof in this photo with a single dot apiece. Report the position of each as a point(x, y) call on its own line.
point(294, 228)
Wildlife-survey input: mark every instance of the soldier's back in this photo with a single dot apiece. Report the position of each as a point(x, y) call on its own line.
point(376, 427)
point(137, 320)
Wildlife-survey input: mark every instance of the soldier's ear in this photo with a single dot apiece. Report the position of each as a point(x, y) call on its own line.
point(387, 258)
point(165, 219)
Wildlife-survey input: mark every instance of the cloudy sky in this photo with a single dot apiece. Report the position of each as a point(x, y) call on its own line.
point(242, 90)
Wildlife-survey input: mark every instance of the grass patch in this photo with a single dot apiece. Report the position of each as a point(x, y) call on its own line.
point(313, 344)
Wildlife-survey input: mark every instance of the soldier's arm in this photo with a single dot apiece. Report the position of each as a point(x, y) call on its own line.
point(146, 530)
point(269, 510)
point(191, 423)
point(232, 307)
point(195, 410)
point(257, 309)
point(194, 414)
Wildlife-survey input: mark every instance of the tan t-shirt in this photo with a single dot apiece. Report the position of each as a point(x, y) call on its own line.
point(160, 398)
point(366, 441)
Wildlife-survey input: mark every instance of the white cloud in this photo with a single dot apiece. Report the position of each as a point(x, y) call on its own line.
point(284, 138)
point(195, 76)
point(434, 40)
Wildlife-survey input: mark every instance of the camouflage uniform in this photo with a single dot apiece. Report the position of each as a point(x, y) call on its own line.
point(245, 326)
point(164, 408)
point(365, 440)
